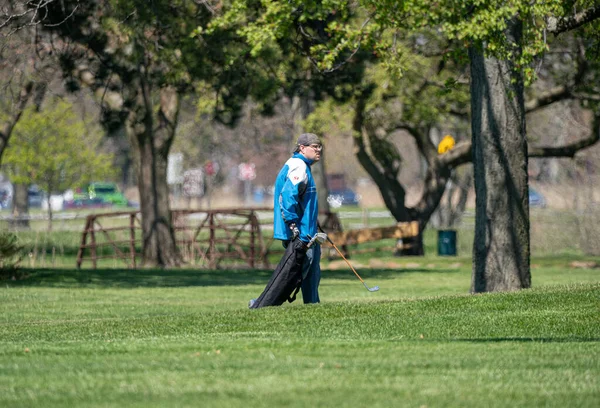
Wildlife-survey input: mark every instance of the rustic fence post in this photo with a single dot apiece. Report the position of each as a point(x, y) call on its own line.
point(83, 241)
point(253, 221)
point(93, 239)
point(132, 239)
point(211, 241)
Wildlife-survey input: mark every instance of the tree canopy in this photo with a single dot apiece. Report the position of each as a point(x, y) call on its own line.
point(57, 150)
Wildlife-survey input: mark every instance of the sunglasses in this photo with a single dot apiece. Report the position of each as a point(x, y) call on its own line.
point(316, 147)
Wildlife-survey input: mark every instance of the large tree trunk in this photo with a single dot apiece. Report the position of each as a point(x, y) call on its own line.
point(151, 148)
point(501, 246)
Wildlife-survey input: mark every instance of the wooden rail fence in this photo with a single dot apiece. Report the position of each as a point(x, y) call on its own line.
point(210, 238)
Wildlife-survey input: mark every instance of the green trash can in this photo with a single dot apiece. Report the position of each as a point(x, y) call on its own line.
point(447, 242)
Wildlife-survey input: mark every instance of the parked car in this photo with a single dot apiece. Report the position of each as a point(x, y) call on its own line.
point(5, 198)
point(338, 198)
point(57, 202)
point(35, 196)
point(98, 193)
point(77, 203)
point(536, 199)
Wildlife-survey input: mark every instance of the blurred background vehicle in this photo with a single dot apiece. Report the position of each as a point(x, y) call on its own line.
point(5, 198)
point(96, 202)
point(57, 202)
point(338, 198)
point(339, 192)
point(35, 196)
point(536, 199)
point(97, 194)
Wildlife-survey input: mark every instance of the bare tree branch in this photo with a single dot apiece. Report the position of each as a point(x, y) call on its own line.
point(30, 13)
point(586, 96)
point(567, 150)
point(7, 128)
point(461, 153)
point(561, 92)
point(459, 113)
point(206, 3)
point(555, 94)
point(567, 23)
point(424, 144)
point(558, 93)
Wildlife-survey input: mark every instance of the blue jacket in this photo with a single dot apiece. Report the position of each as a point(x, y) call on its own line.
point(295, 199)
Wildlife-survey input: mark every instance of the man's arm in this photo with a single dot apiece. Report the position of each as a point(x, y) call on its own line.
point(290, 195)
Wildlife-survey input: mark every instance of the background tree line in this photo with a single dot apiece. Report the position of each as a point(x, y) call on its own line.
point(373, 70)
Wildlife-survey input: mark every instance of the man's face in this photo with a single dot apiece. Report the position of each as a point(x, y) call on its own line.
point(312, 152)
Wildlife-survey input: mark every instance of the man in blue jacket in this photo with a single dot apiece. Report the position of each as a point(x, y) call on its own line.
point(296, 209)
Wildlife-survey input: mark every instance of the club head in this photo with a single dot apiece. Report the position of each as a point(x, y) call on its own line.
point(373, 289)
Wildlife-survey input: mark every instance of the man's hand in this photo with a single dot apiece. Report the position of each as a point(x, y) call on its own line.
point(295, 230)
point(321, 238)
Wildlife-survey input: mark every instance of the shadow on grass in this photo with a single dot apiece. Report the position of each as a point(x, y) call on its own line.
point(575, 339)
point(125, 278)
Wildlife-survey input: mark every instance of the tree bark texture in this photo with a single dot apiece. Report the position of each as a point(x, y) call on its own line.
point(152, 142)
point(7, 127)
point(501, 248)
point(20, 207)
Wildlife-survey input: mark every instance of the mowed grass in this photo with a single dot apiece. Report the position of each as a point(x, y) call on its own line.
point(116, 338)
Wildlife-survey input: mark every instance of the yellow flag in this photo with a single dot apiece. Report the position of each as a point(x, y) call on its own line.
point(446, 144)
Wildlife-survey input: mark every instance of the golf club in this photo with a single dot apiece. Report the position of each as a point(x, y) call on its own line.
point(374, 288)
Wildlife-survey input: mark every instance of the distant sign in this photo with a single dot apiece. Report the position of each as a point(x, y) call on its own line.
point(193, 183)
point(211, 168)
point(175, 168)
point(246, 171)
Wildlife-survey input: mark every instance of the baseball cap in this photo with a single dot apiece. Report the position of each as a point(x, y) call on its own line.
point(307, 139)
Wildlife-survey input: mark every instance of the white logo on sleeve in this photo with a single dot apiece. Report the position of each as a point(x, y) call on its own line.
point(297, 171)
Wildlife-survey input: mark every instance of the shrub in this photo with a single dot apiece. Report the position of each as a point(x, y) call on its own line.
point(11, 254)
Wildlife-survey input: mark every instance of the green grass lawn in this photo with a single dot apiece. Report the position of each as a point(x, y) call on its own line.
point(118, 338)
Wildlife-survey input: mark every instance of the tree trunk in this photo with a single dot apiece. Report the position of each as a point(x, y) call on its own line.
point(501, 246)
point(151, 147)
point(461, 187)
point(436, 179)
point(49, 190)
point(381, 160)
point(121, 147)
point(49, 215)
point(7, 127)
point(20, 207)
point(451, 208)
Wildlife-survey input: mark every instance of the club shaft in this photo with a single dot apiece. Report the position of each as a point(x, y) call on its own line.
point(349, 264)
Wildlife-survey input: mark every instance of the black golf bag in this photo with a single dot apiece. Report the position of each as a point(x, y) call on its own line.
point(286, 279)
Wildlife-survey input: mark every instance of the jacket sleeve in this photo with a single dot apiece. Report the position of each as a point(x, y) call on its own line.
point(290, 194)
